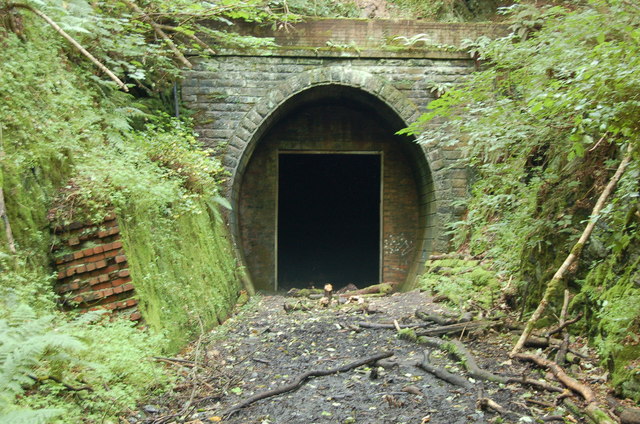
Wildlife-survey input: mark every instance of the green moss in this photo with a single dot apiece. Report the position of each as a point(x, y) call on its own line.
point(407, 334)
point(611, 301)
point(184, 270)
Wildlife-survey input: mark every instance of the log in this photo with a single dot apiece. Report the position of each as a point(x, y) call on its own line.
point(301, 379)
point(554, 283)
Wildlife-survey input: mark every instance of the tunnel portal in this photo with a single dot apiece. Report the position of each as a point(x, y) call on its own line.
point(331, 194)
point(328, 219)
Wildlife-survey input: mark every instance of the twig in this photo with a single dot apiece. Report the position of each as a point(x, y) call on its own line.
point(574, 255)
point(71, 40)
point(299, 380)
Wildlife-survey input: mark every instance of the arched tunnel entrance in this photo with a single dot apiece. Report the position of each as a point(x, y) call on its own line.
point(331, 195)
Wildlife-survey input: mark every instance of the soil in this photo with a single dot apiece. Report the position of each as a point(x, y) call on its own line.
point(264, 347)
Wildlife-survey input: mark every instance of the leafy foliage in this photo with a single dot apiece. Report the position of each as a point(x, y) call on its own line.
point(544, 124)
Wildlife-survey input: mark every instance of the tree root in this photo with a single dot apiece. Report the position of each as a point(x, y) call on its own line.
point(301, 379)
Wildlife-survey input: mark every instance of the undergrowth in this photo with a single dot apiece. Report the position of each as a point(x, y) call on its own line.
point(86, 149)
point(544, 132)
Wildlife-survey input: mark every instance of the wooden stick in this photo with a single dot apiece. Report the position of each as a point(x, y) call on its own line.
point(553, 284)
point(301, 379)
point(71, 40)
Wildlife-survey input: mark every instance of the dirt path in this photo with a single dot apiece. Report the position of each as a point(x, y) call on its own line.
point(264, 348)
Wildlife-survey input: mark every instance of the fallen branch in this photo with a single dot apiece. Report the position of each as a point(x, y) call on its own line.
point(193, 37)
point(564, 325)
point(626, 414)
point(470, 364)
point(460, 256)
point(457, 328)
point(442, 373)
point(299, 380)
point(442, 319)
point(592, 409)
point(62, 383)
point(535, 383)
point(158, 30)
point(553, 284)
point(382, 288)
point(380, 326)
point(175, 361)
point(71, 40)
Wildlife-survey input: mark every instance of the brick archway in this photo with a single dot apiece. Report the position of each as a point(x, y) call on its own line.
point(282, 100)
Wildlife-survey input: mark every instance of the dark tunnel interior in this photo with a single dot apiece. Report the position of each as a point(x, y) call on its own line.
point(328, 219)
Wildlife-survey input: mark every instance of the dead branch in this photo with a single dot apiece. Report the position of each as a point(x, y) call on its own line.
point(301, 379)
point(158, 30)
point(193, 37)
point(457, 328)
point(297, 306)
point(71, 40)
point(535, 383)
point(563, 325)
point(380, 326)
point(175, 361)
point(442, 373)
point(62, 383)
point(460, 256)
point(382, 288)
point(626, 414)
point(486, 403)
point(442, 319)
point(470, 364)
point(592, 409)
point(553, 284)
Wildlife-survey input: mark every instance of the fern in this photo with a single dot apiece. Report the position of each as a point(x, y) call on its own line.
point(27, 343)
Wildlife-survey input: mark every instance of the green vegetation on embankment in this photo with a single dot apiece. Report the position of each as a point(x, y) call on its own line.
point(62, 127)
point(545, 125)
